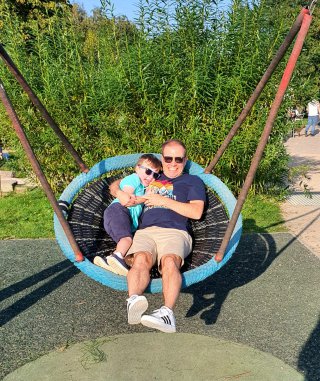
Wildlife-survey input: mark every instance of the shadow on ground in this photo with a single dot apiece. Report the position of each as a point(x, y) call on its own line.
point(252, 258)
point(62, 272)
point(266, 297)
point(309, 358)
point(310, 163)
point(254, 255)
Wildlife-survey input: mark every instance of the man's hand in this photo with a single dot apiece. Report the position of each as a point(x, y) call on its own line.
point(192, 209)
point(124, 198)
point(155, 200)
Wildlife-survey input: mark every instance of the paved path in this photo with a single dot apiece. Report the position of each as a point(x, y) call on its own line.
point(301, 213)
point(261, 310)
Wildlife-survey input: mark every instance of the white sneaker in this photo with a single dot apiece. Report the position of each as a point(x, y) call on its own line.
point(162, 319)
point(136, 306)
point(102, 261)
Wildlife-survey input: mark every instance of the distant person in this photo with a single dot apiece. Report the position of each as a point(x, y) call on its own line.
point(292, 115)
point(313, 110)
point(4, 154)
point(121, 222)
point(297, 114)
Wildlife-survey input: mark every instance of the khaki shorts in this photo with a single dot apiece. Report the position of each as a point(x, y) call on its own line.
point(161, 241)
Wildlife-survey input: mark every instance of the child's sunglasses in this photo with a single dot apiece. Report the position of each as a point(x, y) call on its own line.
point(168, 159)
point(149, 171)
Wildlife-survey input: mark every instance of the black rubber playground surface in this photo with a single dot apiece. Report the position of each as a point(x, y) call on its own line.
point(267, 297)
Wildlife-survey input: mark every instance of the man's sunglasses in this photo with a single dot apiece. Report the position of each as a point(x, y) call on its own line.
point(168, 159)
point(149, 172)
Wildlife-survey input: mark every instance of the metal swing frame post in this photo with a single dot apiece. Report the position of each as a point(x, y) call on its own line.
point(29, 152)
point(306, 21)
point(38, 171)
point(43, 111)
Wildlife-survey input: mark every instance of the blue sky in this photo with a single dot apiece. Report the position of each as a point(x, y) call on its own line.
point(121, 7)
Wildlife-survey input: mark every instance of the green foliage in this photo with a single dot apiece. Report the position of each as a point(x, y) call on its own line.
point(298, 175)
point(305, 83)
point(34, 219)
point(26, 215)
point(183, 70)
point(262, 214)
point(14, 164)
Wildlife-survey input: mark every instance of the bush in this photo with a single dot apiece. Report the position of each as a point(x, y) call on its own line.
point(116, 88)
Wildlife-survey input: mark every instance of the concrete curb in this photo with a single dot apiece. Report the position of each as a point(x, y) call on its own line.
point(156, 356)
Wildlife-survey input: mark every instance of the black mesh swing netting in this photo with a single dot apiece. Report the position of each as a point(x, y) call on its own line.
point(87, 196)
point(86, 221)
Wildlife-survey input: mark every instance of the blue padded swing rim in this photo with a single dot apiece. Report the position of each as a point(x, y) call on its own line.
point(118, 282)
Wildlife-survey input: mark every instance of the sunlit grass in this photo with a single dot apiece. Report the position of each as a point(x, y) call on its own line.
point(262, 214)
point(29, 215)
point(26, 215)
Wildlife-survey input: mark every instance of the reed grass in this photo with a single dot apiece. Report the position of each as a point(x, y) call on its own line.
point(184, 70)
point(29, 215)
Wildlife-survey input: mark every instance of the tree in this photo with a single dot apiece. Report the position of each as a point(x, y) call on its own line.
point(305, 83)
point(32, 9)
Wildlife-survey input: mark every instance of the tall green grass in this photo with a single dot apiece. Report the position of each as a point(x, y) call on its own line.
point(29, 215)
point(185, 70)
point(26, 215)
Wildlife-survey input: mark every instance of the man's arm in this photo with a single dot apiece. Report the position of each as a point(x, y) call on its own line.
point(192, 209)
point(133, 198)
point(115, 187)
point(125, 198)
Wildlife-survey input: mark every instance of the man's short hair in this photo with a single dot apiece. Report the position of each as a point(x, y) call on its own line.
point(174, 141)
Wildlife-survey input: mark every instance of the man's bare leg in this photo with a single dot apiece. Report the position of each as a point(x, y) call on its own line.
point(171, 279)
point(138, 276)
point(163, 319)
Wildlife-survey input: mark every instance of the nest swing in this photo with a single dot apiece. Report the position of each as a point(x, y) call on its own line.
point(79, 211)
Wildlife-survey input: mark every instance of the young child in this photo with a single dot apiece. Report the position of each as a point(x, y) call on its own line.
point(121, 222)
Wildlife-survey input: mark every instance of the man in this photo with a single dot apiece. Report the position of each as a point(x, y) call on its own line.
point(163, 237)
point(313, 116)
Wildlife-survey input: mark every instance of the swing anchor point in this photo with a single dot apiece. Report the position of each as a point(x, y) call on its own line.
point(79, 256)
point(218, 257)
point(84, 168)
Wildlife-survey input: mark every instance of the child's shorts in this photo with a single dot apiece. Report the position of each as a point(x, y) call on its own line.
point(117, 221)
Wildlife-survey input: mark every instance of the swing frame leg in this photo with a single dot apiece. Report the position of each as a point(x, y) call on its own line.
point(307, 18)
point(38, 171)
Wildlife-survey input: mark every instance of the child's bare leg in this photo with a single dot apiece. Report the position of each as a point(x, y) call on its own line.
point(123, 245)
point(116, 261)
